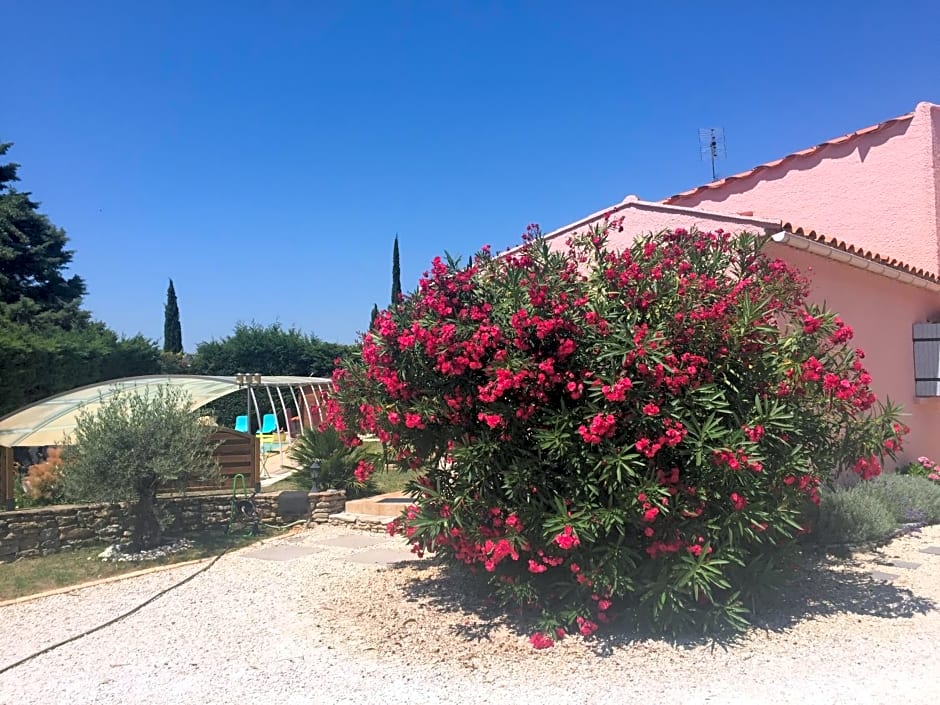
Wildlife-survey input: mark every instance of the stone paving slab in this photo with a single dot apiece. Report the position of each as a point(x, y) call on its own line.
point(382, 556)
point(351, 541)
point(907, 565)
point(885, 577)
point(281, 552)
point(935, 550)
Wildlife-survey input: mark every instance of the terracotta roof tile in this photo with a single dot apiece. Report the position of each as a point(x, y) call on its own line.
point(783, 160)
point(838, 244)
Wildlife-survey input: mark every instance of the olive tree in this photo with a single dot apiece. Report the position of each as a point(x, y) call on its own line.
point(132, 445)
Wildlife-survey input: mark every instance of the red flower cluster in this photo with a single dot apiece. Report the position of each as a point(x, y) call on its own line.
point(867, 468)
point(657, 548)
point(541, 641)
point(735, 460)
point(567, 539)
point(363, 471)
point(586, 626)
point(602, 426)
point(808, 485)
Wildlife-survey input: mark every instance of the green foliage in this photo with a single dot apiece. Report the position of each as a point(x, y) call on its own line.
point(48, 343)
point(132, 445)
point(174, 364)
point(172, 329)
point(910, 499)
point(636, 433)
point(873, 510)
point(33, 257)
point(337, 462)
point(374, 314)
point(21, 500)
point(35, 364)
point(396, 274)
point(853, 515)
point(270, 350)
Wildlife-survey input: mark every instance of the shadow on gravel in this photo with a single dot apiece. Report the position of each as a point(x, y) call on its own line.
point(822, 586)
point(831, 585)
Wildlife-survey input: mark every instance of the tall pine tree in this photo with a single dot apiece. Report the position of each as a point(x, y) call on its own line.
point(33, 258)
point(396, 274)
point(48, 342)
point(172, 330)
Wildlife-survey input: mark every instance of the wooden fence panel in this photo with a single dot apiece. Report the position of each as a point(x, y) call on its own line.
point(6, 477)
point(237, 453)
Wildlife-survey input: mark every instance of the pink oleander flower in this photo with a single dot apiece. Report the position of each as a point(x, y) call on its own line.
point(541, 641)
point(568, 539)
point(363, 471)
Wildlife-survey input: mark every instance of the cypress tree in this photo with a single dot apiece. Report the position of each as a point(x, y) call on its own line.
point(172, 331)
point(375, 314)
point(396, 274)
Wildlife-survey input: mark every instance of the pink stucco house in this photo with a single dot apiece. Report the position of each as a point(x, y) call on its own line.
point(860, 215)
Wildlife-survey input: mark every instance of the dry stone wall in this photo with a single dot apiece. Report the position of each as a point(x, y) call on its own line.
point(40, 531)
point(325, 503)
point(362, 522)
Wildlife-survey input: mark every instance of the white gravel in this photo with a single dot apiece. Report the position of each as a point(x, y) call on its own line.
point(322, 629)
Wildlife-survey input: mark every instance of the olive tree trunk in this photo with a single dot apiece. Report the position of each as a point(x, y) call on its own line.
point(148, 533)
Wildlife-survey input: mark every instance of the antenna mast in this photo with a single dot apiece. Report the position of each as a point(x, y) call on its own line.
point(712, 142)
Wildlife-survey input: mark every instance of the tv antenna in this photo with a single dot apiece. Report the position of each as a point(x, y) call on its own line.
point(712, 141)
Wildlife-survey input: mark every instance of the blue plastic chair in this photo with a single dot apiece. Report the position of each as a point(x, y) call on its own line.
point(268, 424)
point(269, 435)
point(241, 424)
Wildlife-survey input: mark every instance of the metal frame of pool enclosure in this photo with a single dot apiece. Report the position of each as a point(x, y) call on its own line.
point(51, 420)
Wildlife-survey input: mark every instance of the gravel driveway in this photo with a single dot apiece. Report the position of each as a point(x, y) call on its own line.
point(312, 618)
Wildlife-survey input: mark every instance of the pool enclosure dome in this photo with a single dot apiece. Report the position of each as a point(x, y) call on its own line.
point(49, 421)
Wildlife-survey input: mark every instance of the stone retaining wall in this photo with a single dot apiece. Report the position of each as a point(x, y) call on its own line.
point(325, 503)
point(43, 530)
point(363, 522)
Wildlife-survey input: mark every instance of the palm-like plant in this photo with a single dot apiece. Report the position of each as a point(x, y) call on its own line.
point(337, 462)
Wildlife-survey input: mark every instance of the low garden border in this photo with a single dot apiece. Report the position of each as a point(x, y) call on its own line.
point(40, 531)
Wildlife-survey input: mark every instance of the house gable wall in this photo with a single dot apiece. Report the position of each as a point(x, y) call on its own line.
point(877, 190)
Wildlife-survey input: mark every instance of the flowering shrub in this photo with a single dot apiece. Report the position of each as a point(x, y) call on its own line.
point(923, 467)
point(609, 434)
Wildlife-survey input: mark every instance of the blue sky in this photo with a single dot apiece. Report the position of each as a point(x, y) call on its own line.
point(265, 154)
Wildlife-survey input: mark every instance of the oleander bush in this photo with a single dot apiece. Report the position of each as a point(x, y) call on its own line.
point(608, 434)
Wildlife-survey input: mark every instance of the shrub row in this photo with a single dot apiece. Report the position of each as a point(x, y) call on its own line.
point(873, 511)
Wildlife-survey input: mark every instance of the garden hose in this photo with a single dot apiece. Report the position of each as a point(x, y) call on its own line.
point(283, 526)
point(98, 628)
